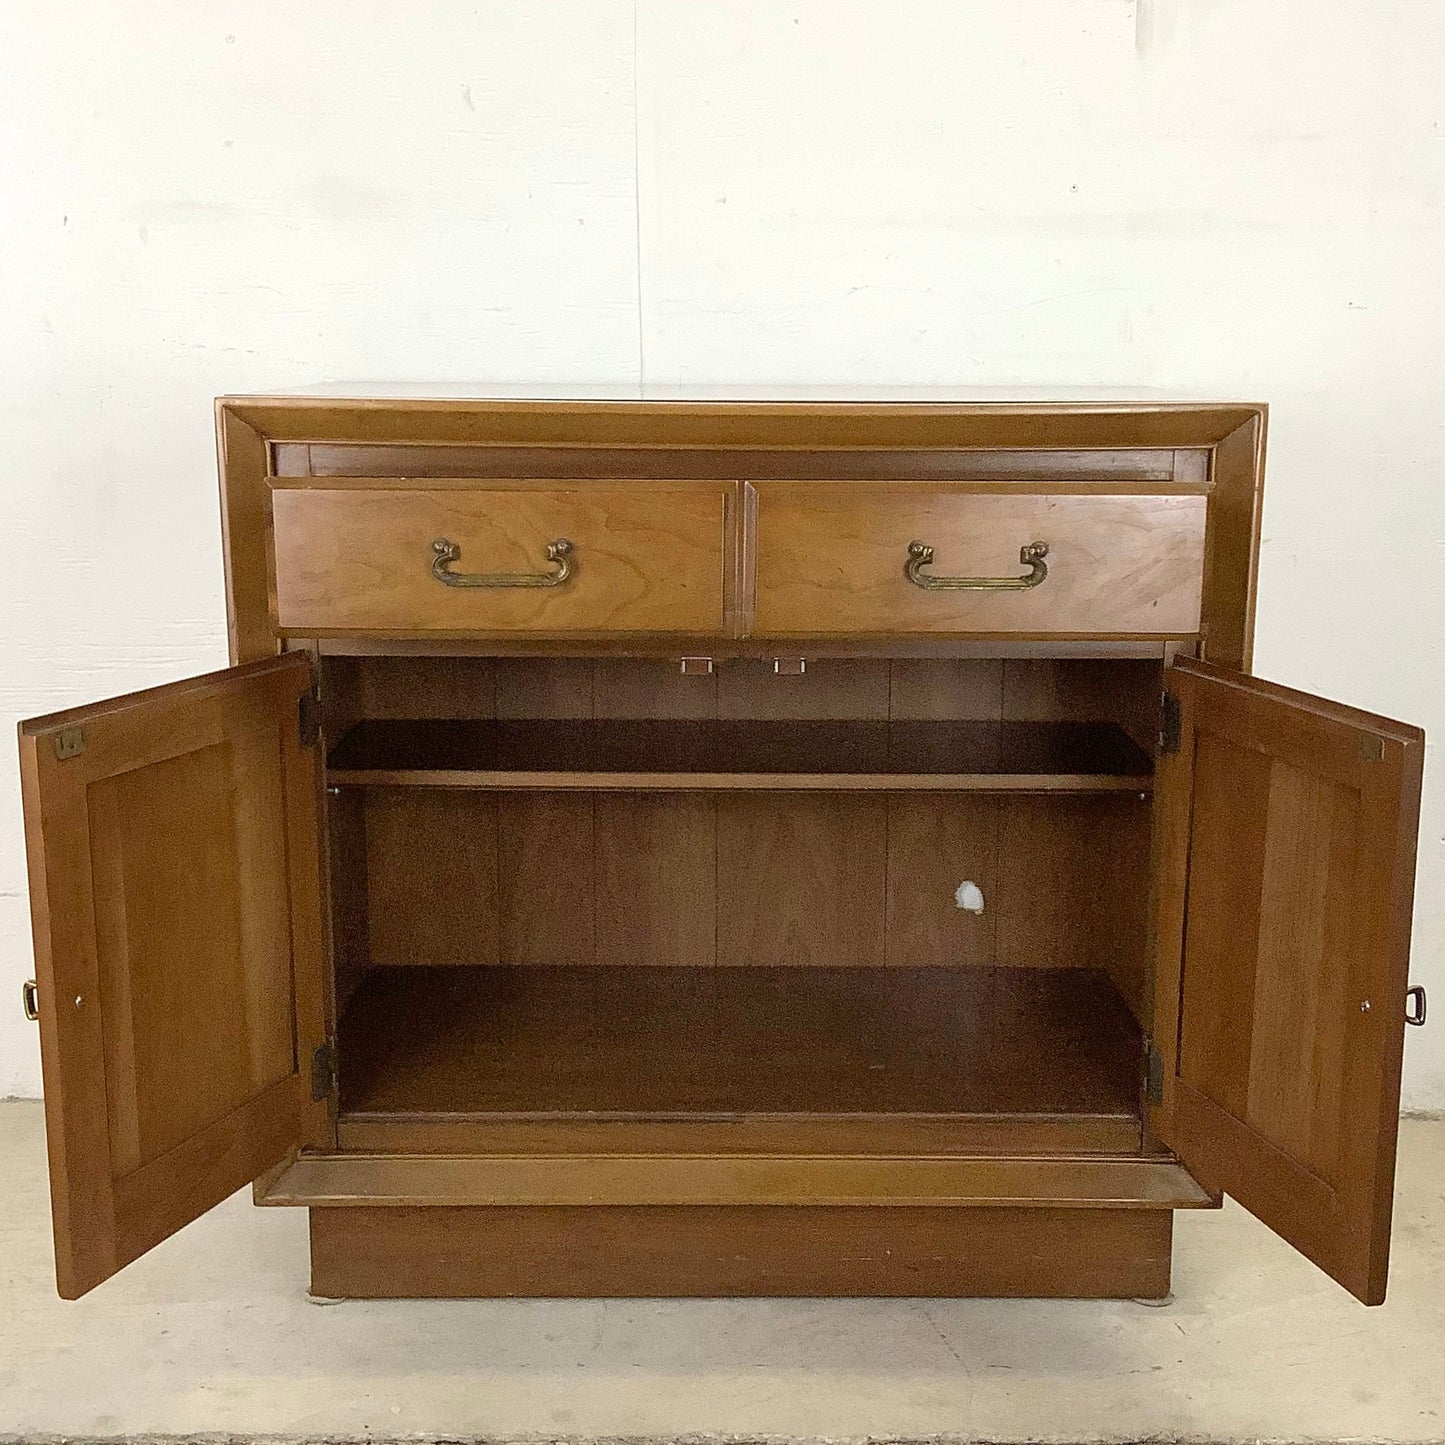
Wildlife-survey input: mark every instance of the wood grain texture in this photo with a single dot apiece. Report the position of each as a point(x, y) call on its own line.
point(657, 874)
point(830, 560)
point(1071, 446)
point(579, 876)
point(1072, 884)
point(1287, 989)
point(451, 684)
point(925, 422)
point(830, 689)
point(177, 905)
point(667, 648)
point(369, 1253)
point(242, 454)
point(935, 843)
point(431, 877)
point(625, 688)
point(649, 754)
point(1066, 877)
point(449, 876)
point(840, 1181)
point(1073, 893)
point(546, 878)
point(1235, 514)
point(772, 784)
point(670, 1042)
point(802, 880)
point(648, 557)
point(1071, 689)
point(545, 687)
point(346, 878)
point(890, 1135)
point(948, 689)
point(182, 872)
point(1103, 466)
point(413, 687)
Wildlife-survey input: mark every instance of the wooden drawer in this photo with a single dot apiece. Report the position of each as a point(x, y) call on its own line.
point(359, 556)
point(831, 559)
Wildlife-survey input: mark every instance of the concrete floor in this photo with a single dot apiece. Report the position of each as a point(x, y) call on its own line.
point(213, 1332)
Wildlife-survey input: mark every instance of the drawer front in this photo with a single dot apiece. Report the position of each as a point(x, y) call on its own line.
point(545, 558)
point(835, 558)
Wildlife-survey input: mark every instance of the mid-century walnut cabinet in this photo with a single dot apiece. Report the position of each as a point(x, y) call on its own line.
point(727, 848)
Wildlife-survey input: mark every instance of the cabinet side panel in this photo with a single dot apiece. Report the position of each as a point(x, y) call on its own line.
point(1232, 549)
point(246, 537)
point(347, 877)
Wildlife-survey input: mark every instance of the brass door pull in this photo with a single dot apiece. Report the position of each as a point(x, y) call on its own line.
point(1415, 1004)
point(920, 555)
point(30, 1000)
point(444, 553)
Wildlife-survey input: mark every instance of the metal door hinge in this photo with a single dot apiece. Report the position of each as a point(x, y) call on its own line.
point(308, 719)
point(30, 1000)
point(1171, 723)
point(323, 1073)
point(1153, 1074)
point(69, 743)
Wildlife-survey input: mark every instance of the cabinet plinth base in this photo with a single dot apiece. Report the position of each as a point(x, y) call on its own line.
point(739, 1251)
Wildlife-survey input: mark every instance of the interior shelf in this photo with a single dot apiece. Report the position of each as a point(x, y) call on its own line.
point(693, 1044)
point(651, 755)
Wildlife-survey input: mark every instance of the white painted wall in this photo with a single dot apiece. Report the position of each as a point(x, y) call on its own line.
point(1239, 198)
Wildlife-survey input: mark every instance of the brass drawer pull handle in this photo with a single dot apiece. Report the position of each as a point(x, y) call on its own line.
point(445, 553)
point(920, 555)
point(30, 1000)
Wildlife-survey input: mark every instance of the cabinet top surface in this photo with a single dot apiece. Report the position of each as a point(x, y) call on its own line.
point(742, 393)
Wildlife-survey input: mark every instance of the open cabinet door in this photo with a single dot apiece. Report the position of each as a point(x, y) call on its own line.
point(175, 892)
point(1286, 856)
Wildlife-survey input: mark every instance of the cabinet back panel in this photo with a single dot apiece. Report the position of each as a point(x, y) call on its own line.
point(802, 878)
point(1122, 690)
point(782, 879)
point(546, 876)
point(656, 873)
point(429, 876)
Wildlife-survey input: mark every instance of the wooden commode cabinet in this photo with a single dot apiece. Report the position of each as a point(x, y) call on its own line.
point(671, 847)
